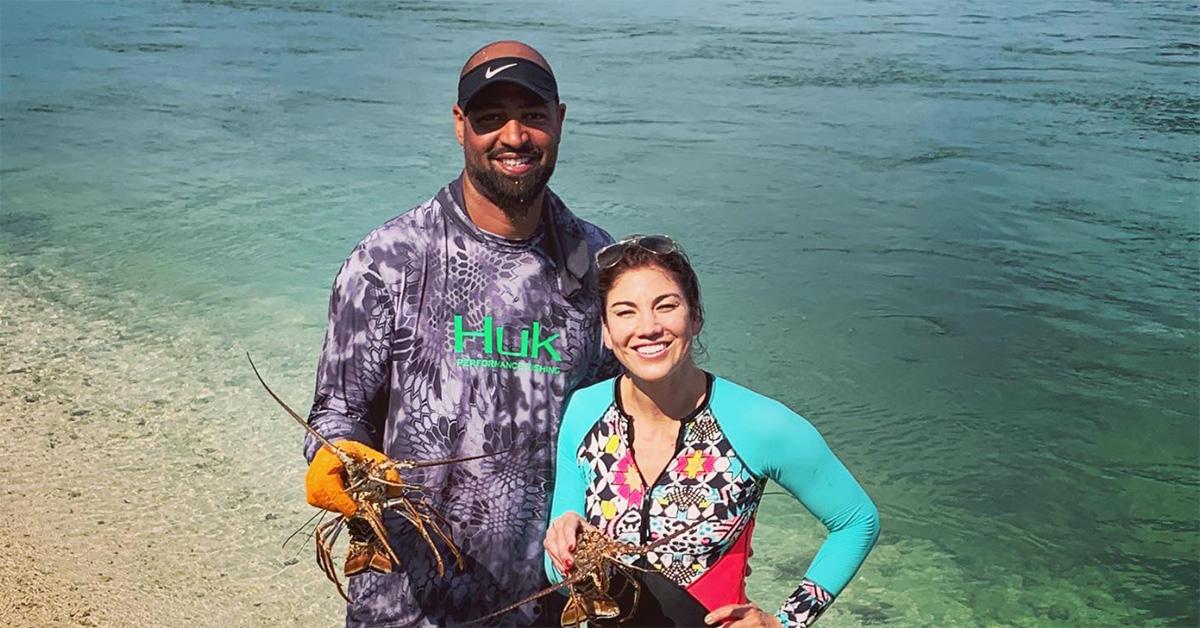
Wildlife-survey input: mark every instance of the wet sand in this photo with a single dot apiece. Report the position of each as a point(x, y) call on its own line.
point(124, 504)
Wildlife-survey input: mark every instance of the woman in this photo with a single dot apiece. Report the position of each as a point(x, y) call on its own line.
point(666, 445)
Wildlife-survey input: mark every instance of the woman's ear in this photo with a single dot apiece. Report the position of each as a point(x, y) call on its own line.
point(604, 335)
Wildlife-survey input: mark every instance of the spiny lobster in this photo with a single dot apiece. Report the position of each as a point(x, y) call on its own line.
point(596, 557)
point(376, 487)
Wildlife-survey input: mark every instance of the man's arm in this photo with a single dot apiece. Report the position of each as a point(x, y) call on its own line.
point(353, 368)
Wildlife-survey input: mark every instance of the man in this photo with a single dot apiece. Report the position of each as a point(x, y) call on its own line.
point(458, 328)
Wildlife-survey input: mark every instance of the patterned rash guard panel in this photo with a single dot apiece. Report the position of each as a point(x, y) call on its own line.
point(726, 453)
point(446, 341)
point(705, 481)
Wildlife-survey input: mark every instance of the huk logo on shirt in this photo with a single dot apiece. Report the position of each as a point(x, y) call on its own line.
point(517, 352)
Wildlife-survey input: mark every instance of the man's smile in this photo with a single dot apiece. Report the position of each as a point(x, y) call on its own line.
point(516, 164)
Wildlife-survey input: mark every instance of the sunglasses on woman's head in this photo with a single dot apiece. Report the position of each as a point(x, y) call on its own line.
point(608, 256)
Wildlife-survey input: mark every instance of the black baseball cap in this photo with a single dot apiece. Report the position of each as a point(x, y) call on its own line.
point(516, 70)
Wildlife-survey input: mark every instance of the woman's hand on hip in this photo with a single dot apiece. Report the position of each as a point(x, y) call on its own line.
point(560, 540)
point(742, 616)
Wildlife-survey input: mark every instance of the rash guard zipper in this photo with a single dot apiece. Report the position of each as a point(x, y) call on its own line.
point(680, 439)
point(644, 526)
point(648, 489)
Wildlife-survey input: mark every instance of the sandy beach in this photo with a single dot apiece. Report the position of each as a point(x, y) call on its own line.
point(105, 484)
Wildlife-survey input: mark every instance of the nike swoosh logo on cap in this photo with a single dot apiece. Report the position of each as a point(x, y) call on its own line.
point(489, 73)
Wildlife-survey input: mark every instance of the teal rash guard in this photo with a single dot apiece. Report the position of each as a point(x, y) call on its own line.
point(726, 451)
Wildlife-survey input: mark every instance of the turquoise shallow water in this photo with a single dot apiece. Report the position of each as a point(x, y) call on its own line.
point(961, 237)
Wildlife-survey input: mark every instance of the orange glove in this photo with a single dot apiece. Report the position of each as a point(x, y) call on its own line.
point(324, 484)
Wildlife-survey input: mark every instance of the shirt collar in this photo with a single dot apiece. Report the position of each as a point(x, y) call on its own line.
point(557, 234)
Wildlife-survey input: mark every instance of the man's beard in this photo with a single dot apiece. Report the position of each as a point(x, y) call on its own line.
point(514, 196)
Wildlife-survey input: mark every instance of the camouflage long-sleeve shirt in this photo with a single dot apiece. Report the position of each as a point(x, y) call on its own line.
point(446, 341)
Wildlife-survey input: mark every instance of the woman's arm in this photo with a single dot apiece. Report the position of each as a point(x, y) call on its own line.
point(570, 477)
point(569, 487)
point(783, 446)
point(811, 472)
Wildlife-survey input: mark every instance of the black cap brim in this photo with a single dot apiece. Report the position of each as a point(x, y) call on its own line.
point(514, 70)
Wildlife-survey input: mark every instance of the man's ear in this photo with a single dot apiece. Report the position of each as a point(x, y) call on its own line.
point(460, 120)
point(562, 113)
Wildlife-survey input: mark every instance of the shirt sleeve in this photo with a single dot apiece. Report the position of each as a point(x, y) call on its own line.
point(804, 605)
point(570, 477)
point(811, 472)
point(779, 444)
point(353, 369)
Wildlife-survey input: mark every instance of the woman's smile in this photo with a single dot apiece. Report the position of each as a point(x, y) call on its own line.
point(652, 350)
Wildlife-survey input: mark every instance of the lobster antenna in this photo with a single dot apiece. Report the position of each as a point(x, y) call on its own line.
point(343, 456)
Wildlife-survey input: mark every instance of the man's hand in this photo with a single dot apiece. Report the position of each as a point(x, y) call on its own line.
point(742, 616)
point(323, 483)
point(560, 540)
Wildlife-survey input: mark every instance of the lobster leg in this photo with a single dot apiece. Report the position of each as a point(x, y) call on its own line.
point(326, 534)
